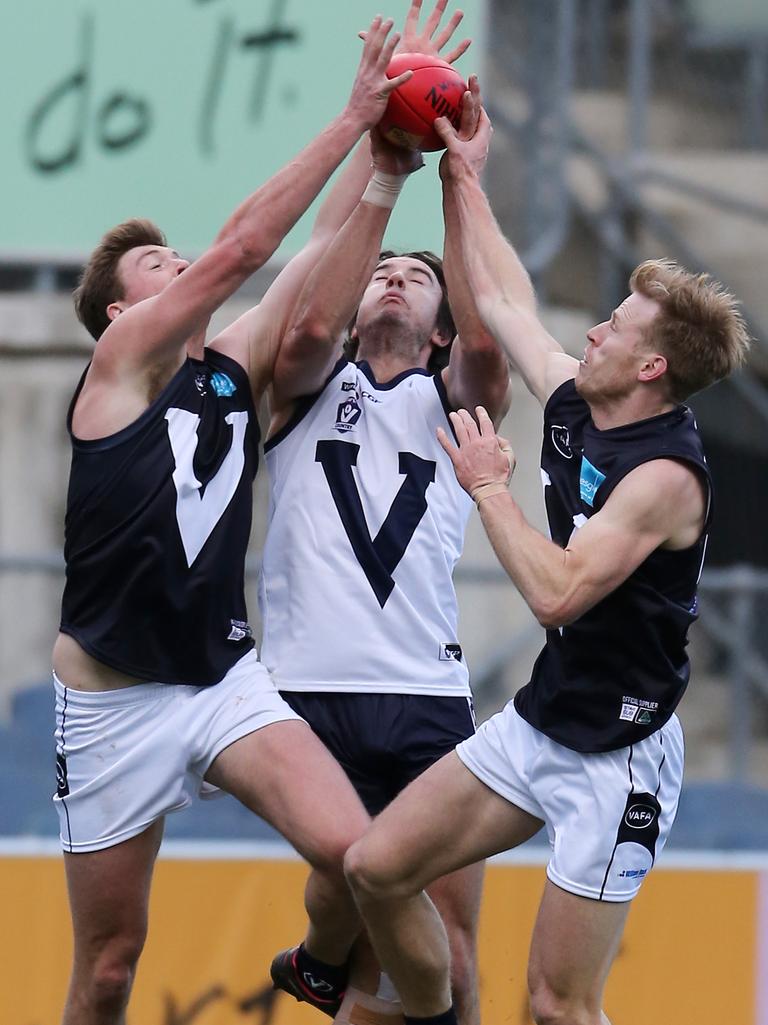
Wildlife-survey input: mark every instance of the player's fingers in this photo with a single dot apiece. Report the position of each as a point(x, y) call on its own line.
point(388, 49)
point(470, 424)
point(447, 444)
point(446, 33)
point(370, 35)
point(412, 18)
point(459, 428)
point(393, 83)
point(454, 55)
point(470, 115)
point(484, 422)
point(445, 130)
point(434, 19)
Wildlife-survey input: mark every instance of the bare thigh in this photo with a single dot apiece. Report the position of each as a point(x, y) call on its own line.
point(109, 894)
point(288, 777)
point(443, 821)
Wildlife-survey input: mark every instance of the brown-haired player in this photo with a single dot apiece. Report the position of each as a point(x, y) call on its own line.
point(591, 746)
point(366, 525)
point(159, 692)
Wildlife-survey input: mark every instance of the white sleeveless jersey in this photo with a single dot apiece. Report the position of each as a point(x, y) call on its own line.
point(366, 523)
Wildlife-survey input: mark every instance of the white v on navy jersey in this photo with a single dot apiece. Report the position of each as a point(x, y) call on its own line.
point(367, 521)
point(157, 526)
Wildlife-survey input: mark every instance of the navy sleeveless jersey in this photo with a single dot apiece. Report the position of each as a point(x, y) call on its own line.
point(157, 526)
point(616, 674)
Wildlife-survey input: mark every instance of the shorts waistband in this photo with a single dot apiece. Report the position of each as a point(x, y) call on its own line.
point(121, 697)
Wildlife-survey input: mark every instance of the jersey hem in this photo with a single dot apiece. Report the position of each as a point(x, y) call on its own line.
point(322, 687)
point(144, 674)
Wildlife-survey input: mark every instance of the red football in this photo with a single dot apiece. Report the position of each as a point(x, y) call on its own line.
point(434, 90)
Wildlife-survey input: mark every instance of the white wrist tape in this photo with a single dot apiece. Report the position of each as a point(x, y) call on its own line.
point(383, 188)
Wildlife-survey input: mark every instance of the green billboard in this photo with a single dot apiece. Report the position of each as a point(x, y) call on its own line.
point(175, 110)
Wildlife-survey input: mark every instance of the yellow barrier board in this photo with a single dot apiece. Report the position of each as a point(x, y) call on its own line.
point(692, 950)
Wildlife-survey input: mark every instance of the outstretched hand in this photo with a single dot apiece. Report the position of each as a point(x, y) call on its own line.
point(415, 41)
point(481, 459)
point(393, 159)
point(467, 147)
point(371, 88)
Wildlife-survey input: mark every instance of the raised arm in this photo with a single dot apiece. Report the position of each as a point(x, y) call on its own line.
point(331, 296)
point(333, 290)
point(661, 503)
point(160, 324)
point(477, 372)
point(254, 338)
point(500, 284)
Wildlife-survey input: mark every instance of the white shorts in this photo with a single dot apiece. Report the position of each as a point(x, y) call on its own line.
point(607, 815)
point(124, 758)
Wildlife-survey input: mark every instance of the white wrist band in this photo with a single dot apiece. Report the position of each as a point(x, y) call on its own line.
point(383, 188)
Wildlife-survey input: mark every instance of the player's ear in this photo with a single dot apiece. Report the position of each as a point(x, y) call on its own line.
point(654, 366)
point(440, 339)
point(114, 310)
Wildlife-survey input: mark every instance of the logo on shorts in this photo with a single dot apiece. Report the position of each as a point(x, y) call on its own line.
point(633, 873)
point(561, 439)
point(450, 653)
point(62, 784)
point(640, 822)
point(238, 630)
point(348, 414)
point(639, 816)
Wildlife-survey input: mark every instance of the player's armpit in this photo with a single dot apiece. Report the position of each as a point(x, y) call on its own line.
point(661, 503)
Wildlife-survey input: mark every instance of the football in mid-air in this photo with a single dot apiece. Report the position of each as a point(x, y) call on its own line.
point(434, 90)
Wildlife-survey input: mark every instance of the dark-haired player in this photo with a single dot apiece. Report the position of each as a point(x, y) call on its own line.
point(366, 524)
point(591, 747)
point(159, 692)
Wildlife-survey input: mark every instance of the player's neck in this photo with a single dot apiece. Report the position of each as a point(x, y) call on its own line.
point(607, 414)
point(196, 345)
point(387, 362)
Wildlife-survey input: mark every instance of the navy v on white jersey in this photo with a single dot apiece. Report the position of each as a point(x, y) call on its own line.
point(366, 524)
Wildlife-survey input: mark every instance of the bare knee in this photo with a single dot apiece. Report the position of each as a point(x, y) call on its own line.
point(374, 877)
point(103, 977)
point(551, 1008)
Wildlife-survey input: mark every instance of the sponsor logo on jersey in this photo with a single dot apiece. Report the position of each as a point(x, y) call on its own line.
point(638, 710)
point(561, 439)
point(223, 385)
point(238, 630)
point(640, 816)
point(201, 382)
point(348, 414)
point(590, 480)
point(450, 652)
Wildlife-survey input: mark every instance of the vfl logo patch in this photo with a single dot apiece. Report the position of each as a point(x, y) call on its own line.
point(590, 480)
point(238, 630)
point(450, 652)
point(561, 439)
point(347, 414)
point(223, 385)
